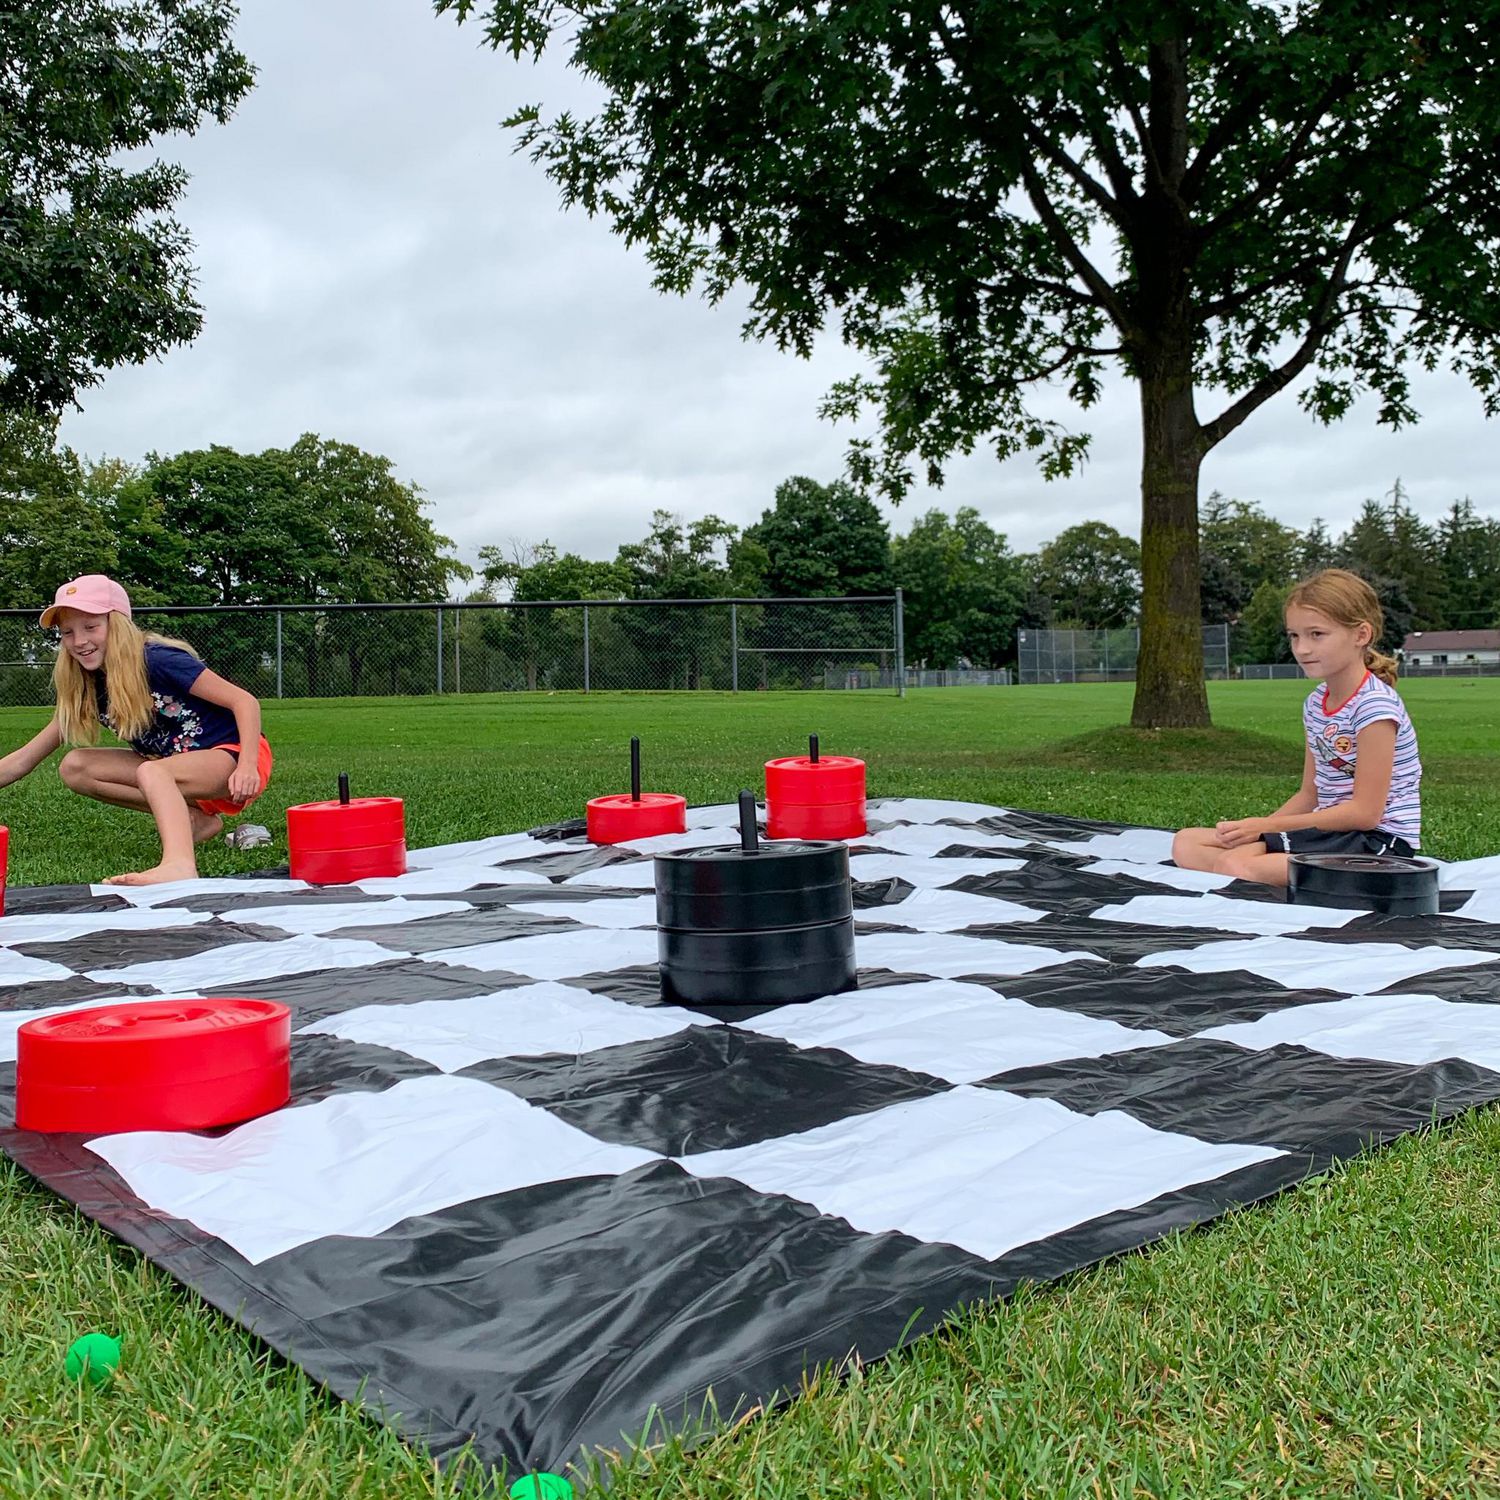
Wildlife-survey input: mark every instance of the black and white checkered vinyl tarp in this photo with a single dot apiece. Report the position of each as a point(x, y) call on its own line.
point(516, 1199)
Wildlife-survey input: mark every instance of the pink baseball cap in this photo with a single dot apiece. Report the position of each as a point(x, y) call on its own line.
point(93, 594)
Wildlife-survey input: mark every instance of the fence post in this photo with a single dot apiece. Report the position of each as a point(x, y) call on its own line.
point(278, 653)
point(734, 648)
point(585, 648)
point(458, 651)
point(900, 645)
point(440, 649)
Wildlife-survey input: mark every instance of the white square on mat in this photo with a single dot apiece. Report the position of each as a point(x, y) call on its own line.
point(329, 916)
point(946, 956)
point(1306, 964)
point(616, 914)
point(176, 890)
point(638, 875)
point(1146, 846)
point(925, 874)
point(529, 1021)
point(961, 1032)
point(556, 955)
point(243, 963)
point(932, 838)
point(1184, 880)
point(356, 1163)
point(62, 927)
point(1270, 919)
point(17, 968)
point(1413, 1029)
point(977, 1168)
point(930, 809)
point(947, 911)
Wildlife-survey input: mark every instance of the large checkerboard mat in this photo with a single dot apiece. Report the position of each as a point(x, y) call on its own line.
point(517, 1199)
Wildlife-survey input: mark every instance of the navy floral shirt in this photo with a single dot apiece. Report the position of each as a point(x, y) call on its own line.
point(183, 721)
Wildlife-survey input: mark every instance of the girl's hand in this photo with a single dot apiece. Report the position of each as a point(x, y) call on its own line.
point(244, 784)
point(1235, 832)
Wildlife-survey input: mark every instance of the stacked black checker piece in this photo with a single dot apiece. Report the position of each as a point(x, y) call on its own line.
point(574, 1204)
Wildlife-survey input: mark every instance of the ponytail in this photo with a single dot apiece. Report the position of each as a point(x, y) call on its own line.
point(1381, 666)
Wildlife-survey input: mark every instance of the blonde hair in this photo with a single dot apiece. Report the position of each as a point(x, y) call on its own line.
point(1347, 599)
point(130, 704)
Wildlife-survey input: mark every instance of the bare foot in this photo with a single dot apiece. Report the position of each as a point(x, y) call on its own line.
point(157, 874)
point(206, 826)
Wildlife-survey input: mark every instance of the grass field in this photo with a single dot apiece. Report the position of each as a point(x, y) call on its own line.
point(1341, 1340)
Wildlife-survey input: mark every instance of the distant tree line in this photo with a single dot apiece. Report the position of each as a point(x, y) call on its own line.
point(967, 593)
point(325, 522)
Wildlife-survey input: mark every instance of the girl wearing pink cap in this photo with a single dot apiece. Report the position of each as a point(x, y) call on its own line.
point(196, 750)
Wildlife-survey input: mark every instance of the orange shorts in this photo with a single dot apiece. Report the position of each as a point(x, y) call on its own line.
point(262, 769)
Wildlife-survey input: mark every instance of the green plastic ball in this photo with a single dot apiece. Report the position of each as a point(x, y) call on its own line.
point(541, 1487)
point(94, 1358)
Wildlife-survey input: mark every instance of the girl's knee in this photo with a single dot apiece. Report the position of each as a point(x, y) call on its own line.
point(73, 769)
point(152, 772)
point(1191, 848)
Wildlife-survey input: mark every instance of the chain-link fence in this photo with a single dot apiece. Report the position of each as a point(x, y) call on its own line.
point(1101, 655)
point(1266, 671)
point(919, 677)
point(654, 645)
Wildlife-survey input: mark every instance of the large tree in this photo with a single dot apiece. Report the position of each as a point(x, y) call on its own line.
point(94, 271)
point(1222, 194)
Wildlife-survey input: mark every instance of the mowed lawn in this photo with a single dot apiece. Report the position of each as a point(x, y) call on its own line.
point(1339, 1340)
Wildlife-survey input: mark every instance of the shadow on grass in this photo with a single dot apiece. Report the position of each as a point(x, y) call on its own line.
point(1220, 751)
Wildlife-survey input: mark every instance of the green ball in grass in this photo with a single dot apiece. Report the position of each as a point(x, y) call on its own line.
point(94, 1358)
point(541, 1487)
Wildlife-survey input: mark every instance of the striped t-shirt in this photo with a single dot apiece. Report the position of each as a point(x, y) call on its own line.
point(1333, 737)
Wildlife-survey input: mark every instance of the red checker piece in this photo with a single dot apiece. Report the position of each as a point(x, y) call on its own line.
point(613, 820)
point(332, 843)
point(153, 1065)
point(815, 799)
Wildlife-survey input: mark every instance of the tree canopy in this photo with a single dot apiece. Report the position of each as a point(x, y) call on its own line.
point(94, 271)
point(987, 197)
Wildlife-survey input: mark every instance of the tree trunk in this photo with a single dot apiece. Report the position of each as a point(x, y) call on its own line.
point(1170, 692)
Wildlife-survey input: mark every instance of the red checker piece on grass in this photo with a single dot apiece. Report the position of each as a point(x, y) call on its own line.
point(332, 843)
point(153, 1065)
point(815, 799)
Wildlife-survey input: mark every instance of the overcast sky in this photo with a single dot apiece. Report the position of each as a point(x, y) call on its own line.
point(377, 267)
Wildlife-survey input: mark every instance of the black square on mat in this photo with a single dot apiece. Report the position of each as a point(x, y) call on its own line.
point(704, 1089)
point(1114, 942)
point(1060, 888)
point(327, 992)
point(457, 929)
point(218, 902)
point(326, 1065)
point(1170, 1000)
point(1048, 826)
point(643, 1289)
point(570, 861)
point(122, 947)
point(47, 994)
point(49, 900)
point(1436, 931)
point(1479, 984)
point(1287, 1097)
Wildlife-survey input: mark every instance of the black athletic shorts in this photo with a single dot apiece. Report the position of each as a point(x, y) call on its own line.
point(1337, 841)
